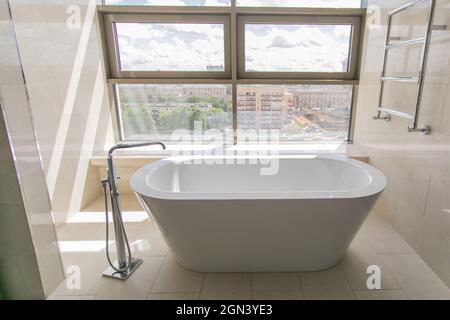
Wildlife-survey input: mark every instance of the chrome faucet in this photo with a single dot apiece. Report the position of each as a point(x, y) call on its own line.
point(125, 264)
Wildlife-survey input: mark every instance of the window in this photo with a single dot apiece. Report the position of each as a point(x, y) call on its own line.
point(161, 111)
point(301, 3)
point(299, 112)
point(170, 47)
point(231, 67)
point(243, 3)
point(212, 3)
point(298, 47)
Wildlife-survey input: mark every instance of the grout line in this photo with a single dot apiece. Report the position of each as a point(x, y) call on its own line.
point(156, 277)
point(300, 283)
point(201, 287)
point(380, 253)
point(392, 273)
point(368, 290)
point(339, 266)
point(302, 290)
point(71, 295)
point(426, 197)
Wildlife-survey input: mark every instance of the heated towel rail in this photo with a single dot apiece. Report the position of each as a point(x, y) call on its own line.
point(384, 112)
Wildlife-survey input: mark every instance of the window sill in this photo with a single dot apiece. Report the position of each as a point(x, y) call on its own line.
point(136, 158)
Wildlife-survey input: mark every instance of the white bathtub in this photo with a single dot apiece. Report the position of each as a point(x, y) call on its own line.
point(230, 218)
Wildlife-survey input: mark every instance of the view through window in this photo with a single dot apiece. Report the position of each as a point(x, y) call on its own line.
point(155, 112)
point(299, 112)
point(171, 47)
point(297, 48)
point(296, 77)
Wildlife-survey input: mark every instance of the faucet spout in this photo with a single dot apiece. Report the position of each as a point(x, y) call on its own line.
point(135, 145)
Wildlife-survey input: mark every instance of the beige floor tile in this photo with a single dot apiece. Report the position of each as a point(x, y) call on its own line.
point(128, 202)
point(173, 296)
point(382, 236)
point(90, 265)
point(277, 295)
point(71, 298)
point(146, 241)
point(330, 284)
point(358, 258)
point(416, 278)
point(380, 295)
point(137, 287)
point(404, 274)
point(288, 281)
point(81, 231)
point(226, 286)
point(173, 278)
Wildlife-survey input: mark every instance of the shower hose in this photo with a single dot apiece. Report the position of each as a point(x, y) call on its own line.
point(122, 227)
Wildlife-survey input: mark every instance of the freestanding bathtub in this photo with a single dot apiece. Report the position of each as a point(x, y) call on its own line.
point(231, 218)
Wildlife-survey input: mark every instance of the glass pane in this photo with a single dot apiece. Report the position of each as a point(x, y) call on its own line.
point(156, 112)
point(212, 3)
point(297, 48)
point(301, 3)
point(171, 46)
point(300, 112)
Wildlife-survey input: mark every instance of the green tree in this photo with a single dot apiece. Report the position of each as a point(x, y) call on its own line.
point(172, 120)
point(194, 99)
point(197, 114)
point(138, 120)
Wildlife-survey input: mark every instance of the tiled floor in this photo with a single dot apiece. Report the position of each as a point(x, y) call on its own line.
point(404, 275)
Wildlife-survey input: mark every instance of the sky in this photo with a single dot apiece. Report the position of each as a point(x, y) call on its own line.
point(171, 2)
point(170, 47)
point(193, 47)
point(252, 3)
point(287, 48)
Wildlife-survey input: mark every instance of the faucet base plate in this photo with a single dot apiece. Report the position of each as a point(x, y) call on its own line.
point(111, 273)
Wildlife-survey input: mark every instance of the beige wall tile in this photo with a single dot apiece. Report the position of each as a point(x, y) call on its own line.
point(414, 164)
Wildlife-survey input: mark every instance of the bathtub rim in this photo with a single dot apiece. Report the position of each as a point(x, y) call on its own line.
point(377, 184)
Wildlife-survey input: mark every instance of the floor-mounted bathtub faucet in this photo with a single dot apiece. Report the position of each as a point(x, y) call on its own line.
point(125, 264)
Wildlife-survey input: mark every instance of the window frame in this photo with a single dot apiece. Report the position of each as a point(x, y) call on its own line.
point(234, 50)
point(300, 20)
point(113, 45)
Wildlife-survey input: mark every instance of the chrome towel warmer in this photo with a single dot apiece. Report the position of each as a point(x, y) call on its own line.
point(386, 113)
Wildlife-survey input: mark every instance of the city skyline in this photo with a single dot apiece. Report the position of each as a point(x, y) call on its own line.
point(300, 112)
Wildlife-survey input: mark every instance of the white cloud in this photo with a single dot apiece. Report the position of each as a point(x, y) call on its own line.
point(166, 3)
point(302, 48)
point(301, 3)
point(170, 47)
point(192, 47)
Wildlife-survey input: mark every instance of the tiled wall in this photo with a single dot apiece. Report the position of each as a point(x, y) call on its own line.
point(29, 257)
point(417, 199)
point(61, 59)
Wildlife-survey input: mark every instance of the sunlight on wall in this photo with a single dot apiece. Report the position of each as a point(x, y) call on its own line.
point(63, 128)
point(88, 142)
